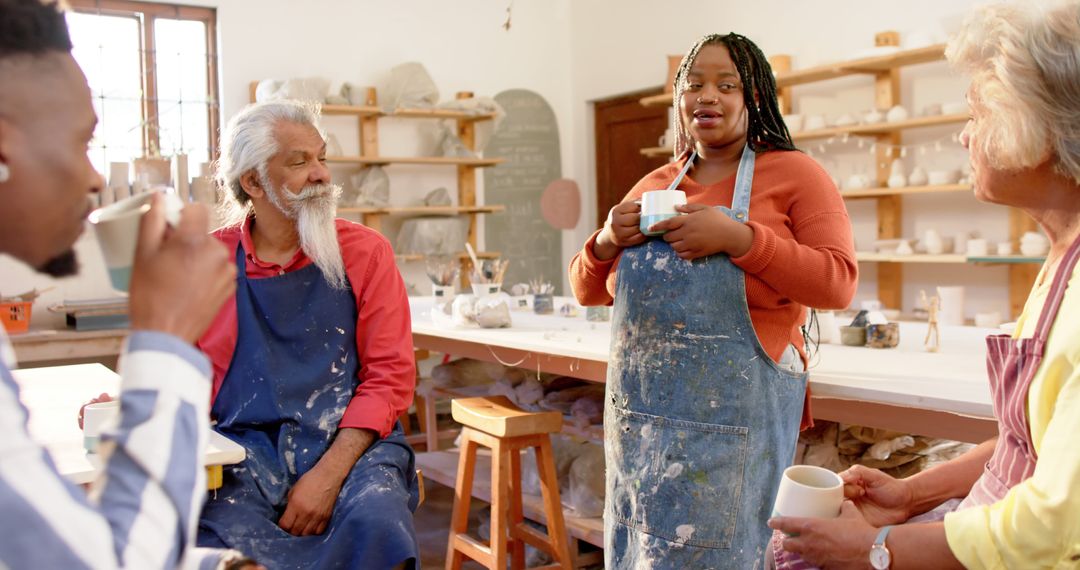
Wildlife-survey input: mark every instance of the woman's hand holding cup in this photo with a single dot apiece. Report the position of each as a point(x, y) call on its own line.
point(620, 231)
point(881, 499)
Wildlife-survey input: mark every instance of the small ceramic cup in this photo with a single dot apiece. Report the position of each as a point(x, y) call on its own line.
point(97, 417)
point(1005, 248)
point(544, 304)
point(809, 491)
point(482, 289)
point(117, 229)
point(885, 335)
point(853, 336)
point(977, 247)
point(659, 205)
point(442, 293)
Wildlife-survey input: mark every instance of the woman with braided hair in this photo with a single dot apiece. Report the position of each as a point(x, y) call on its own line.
point(706, 389)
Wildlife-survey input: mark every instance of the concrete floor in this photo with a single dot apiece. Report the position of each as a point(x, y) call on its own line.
point(432, 521)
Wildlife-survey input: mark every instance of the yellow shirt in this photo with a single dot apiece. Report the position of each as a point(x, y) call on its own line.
point(1037, 524)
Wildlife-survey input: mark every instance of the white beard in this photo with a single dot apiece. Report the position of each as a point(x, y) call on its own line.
point(313, 209)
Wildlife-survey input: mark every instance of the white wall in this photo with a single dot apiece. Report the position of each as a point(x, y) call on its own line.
point(574, 52)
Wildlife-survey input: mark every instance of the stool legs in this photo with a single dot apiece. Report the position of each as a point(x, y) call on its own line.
point(549, 488)
point(517, 515)
point(459, 517)
point(500, 499)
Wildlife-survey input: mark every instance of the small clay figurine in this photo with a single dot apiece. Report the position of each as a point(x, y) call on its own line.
point(933, 305)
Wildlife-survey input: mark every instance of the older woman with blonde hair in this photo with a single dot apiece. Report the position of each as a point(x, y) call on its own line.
point(1021, 490)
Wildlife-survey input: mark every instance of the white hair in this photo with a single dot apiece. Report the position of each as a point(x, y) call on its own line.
point(1025, 64)
point(248, 143)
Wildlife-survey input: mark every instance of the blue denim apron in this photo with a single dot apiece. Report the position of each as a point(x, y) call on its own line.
point(699, 422)
point(291, 378)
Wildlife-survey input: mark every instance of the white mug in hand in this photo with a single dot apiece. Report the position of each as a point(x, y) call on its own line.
point(117, 229)
point(809, 491)
point(96, 417)
point(659, 205)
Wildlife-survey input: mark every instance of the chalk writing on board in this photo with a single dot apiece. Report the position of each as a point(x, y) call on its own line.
point(528, 138)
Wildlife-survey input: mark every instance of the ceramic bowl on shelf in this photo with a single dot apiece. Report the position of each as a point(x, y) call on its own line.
point(794, 122)
point(954, 108)
point(845, 120)
point(874, 117)
point(943, 177)
point(814, 123)
point(897, 114)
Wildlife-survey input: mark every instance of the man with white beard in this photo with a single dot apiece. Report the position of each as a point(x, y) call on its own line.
point(312, 362)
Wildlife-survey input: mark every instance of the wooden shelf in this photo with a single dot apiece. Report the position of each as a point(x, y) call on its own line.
point(861, 66)
point(373, 111)
point(424, 210)
point(857, 130)
point(441, 467)
point(881, 128)
point(878, 192)
point(910, 258)
point(839, 69)
point(462, 256)
point(422, 160)
point(871, 257)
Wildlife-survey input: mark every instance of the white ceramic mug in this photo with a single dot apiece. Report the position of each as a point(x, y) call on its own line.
point(117, 229)
point(97, 417)
point(952, 305)
point(809, 491)
point(977, 247)
point(659, 205)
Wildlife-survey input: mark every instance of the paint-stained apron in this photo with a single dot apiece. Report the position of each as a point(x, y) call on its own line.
point(699, 421)
point(292, 375)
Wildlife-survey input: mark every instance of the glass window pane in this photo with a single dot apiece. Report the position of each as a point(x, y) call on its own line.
point(183, 89)
point(185, 128)
point(107, 49)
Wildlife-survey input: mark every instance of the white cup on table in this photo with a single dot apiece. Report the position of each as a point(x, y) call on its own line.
point(809, 491)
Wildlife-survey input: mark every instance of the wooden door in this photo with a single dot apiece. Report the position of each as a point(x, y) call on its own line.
point(623, 128)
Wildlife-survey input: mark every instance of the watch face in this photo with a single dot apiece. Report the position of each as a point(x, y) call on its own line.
point(879, 557)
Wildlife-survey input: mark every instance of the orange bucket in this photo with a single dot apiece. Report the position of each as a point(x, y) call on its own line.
point(15, 316)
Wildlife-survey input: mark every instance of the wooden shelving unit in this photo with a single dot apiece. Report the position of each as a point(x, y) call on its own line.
point(876, 130)
point(368, 117)
point(885, 72)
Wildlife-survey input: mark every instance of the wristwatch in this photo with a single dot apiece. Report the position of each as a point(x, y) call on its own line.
point(880, 557)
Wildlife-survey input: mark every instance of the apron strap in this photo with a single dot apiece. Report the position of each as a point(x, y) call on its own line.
point(682, 173)
point(1057, 292)
point(744, 180)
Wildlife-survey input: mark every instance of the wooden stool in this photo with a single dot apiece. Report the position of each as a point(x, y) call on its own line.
point(496, 423)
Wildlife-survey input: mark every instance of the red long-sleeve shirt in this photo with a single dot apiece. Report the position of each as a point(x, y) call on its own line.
point(383, 328)
point(802, 255)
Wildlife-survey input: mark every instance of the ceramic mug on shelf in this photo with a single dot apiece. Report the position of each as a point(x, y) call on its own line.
point(659, 205)
point(117, 229)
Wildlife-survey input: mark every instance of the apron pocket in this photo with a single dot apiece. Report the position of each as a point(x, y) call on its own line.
point(675, 479)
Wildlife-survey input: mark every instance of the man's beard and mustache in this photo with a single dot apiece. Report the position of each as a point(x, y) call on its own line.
point(313, 209)
point(64, 265)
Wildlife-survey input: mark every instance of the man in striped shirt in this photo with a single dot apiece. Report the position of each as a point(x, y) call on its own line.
point(143, 510)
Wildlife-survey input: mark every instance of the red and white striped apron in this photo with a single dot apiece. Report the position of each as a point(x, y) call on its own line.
point(1011, 365)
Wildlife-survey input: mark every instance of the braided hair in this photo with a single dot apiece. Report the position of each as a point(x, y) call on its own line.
point(765, 126)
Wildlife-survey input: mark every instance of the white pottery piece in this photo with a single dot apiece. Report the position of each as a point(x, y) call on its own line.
point(933, 242)
point(846, 120)
point(1004, 248)
point(904, 248)
point(897, 114)
point(954, 108)
point(896, 174)
point(943, 177)
point(918, 177)
point(857, 182)
point(932, 110)
point(814, 122)
point(874, 117)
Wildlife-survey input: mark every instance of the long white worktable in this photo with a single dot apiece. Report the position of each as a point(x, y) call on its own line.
point(53, 396)
point(943, 394)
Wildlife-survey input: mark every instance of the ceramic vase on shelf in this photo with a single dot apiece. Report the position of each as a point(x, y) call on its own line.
point(918, 177)
point(896, 174)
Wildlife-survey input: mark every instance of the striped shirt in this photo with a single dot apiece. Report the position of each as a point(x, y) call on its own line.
point(143, 509)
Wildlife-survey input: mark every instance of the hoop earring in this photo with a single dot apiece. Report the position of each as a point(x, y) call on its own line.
point(5, 172)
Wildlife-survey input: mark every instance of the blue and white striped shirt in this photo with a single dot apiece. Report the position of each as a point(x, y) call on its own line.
point(143, 509)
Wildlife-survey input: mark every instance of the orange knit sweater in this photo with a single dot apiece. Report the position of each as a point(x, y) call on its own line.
point(802, 254)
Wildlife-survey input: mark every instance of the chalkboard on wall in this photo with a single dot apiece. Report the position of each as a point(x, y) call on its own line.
point(528, 138)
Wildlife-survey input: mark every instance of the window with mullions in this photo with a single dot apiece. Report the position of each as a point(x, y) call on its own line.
point(152, 70)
